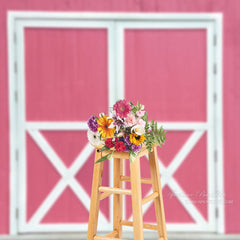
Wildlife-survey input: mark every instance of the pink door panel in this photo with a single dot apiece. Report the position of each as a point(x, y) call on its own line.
point(61, 86)
point(167, 71)
point(60, 83)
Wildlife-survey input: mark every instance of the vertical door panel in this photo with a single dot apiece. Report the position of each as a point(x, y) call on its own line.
point(167, 71)
point(66, 80)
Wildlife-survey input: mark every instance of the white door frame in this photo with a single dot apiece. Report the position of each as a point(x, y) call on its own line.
point(19, 20)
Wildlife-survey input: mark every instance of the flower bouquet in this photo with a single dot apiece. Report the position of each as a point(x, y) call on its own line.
point(125, 129)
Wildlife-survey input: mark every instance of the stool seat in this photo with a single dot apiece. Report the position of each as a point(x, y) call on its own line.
point(100, 192)
point(123, 155)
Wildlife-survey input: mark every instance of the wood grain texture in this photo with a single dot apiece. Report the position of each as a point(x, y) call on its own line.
point(95, 197)
point(150, 197)
point(145, 225)
point(115, 190)
point(158, 201)
point(143, 180)
point(104, 195)
point(117, 198)
point(112, 234)
point(106, 238)
point(136, 199)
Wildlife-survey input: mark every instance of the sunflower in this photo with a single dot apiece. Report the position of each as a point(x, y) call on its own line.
point(137, 139)
point(104, 122)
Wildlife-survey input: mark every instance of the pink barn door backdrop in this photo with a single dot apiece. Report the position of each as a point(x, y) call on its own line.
point(63, 67)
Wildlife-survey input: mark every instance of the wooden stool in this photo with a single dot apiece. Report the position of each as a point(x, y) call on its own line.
point(100, 192)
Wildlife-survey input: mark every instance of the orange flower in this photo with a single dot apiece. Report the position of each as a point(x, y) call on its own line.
point(104, 122)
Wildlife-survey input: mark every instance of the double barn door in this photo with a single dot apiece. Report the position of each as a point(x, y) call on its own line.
point(65, 66)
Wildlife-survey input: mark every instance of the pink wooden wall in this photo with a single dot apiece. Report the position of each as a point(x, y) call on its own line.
point(231, 84)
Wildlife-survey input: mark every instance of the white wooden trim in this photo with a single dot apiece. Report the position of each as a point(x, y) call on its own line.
point(186, 16)
point(56, 125)
point(180, 126)
point(219, 125)
point(187, 203)
point(21, 113)
point(17, 21)
point(111, 65)
point(76, 125)
point(184, 152)
point(167, 24)
point(67, 177)
point(37, 23)
point(13, 143)
point(120, 62)
point(210, 133)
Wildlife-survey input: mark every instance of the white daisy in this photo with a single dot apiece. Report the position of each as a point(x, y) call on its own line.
point(138, 129)
point(94, 138)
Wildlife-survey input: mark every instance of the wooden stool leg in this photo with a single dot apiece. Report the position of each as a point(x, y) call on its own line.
point(117, 198)
point(94, 206)
point(158, 202)
point(136, 199)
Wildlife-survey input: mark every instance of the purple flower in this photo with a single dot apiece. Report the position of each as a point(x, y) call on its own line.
point(92, 124)
point(136, 148)
point(127, 140)
point(126, 148)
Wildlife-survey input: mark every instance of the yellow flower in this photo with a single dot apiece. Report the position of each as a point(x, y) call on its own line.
point(104, 122)
point(137, 139)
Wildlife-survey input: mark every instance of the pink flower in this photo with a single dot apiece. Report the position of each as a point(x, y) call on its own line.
point(141, 122)
point(140, 113)
point(130, 120)
point(122, 108)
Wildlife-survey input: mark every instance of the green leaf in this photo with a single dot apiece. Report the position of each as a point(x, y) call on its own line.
point(131, 104)
point(145, 117)
point(152, 125)
point(106, 157)
point(104, 148)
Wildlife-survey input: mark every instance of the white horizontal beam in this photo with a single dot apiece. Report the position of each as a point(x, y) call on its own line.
point(56, 125)
point(75, 125)
point(184, 125)
point(114, 16)
point(63, 23)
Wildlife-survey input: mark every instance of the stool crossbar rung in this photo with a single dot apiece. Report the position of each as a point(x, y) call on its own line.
point(112, 234)
point(104, 195)
point(100, 192)
point(115, 190)
point(106, 238)
point(145, 225)
point(149, 197)
point(143, 180)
